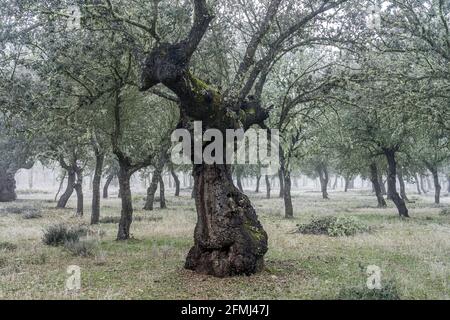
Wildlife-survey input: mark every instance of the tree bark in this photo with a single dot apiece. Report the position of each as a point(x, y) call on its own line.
point(229, 239)
point(422, 184)
point(323, 178)
point(281, 180)
point(392, 177)
point(376, 185)
point(267, 187)
point(99, 160)
point(416, 180)
point(61, 184)
point(126, 215)
point(437, 186)
point(106, 186)
point(347, 183)
point(177, 182)
point(287, 197)
point(381, 182)
point(78, 186)
point(448, 183)
point(258, 181)
point(71, 177)
point(7, 186)
point(152, 190)
point(162, 196)
point(402, 184)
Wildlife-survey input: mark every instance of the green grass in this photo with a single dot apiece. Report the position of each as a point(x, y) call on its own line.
point(413, 254)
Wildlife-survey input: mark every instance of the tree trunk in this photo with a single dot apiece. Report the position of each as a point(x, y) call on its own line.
point(335, 182)
point(239, 182)
point(392, 177)
point(280, 179)
point(228, 239)
point(323, 178)
point(422, 184)
point(61, 184)
point(69, 189)
point(95, 215)
point(126, 215)
point(177, 182)
point(267, 187)
point(288, 209)
point(7, 186)
point(30, 179)
point(347, 183)
point(381, 182)
point(376, 185)
point(258, 180)
point(78, 186)
point(402, 184)
point(448, 183)
point(416, 180)
point(151, 191)
point(437, 185)
point(106, 186)
point(162, 196)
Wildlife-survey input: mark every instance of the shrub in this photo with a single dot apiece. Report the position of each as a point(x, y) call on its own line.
point(59, 234)
point(7, 246)
point(21, 210)
point(445, 212)
point(81, 248)
point(388, 292)
point(32, 215)
point(333, 226)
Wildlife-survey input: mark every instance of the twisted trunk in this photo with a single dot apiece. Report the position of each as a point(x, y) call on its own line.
point(437, 186)
point(228, 238)
point(376, 185)
point(281, 180)
point(152, 190)
point(392, 175)
point(95, 214)
point(71, 177)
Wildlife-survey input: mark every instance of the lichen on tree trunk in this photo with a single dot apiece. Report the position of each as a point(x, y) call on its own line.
point(229, 239)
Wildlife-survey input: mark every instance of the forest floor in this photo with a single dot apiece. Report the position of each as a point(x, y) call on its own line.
point(413, 254)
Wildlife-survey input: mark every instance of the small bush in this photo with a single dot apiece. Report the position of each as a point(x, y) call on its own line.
point(333, 227)
point(22, 210)
point(59, 234)
point(7, 246)
point(32, 215)
point(445, 212)
point(83, 248)
point(388, 292)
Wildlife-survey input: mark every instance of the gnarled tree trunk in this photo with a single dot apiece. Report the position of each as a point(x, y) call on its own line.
point(402, 184)
point(258, 180)
point(281, 180)
point(323, 178)
point(437, 186)
point(287, 197)
point(152, 190)
point(376, 185)
point(229, 240)
point(392, 177)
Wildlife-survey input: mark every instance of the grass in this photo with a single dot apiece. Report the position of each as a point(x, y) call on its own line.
point(413, 254)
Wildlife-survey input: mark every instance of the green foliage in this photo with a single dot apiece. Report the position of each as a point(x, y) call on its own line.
point(333, 227)
point(58, 235)
point(445, 212)
point(388, 292)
